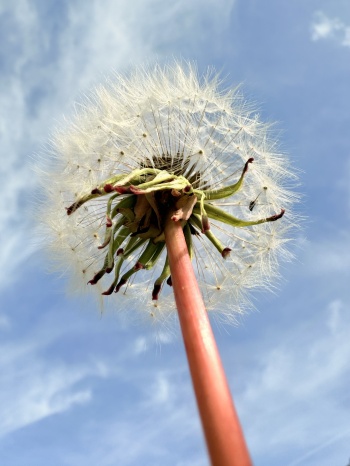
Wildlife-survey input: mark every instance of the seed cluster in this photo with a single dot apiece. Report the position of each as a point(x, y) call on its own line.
point(162, 145)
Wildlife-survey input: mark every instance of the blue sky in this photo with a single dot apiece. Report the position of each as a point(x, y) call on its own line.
point(78, 388)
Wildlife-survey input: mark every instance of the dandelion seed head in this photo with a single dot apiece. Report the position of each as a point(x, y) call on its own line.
point(158, 140)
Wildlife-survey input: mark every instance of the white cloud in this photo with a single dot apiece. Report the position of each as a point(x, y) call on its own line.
point(160, 392)
point(140, 345)
point(33, 388)
point(41, 395)
point(291, 393)
point(334, 29)
point(160, 338)
point(49, 57)
point(327, 257)
point(161, 426)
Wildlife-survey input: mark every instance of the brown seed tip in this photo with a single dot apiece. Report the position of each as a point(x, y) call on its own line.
point(120, 284)
point(108, 222)
point(169, 281)
point(226, 252)
point(139, 266)
point(245, 169)
point(155, 292)
point(97, 277)
point(109, 291)
point(120, 251)
point(96, 191)
point(104, 244)
point(70, 209)
point(276, 217)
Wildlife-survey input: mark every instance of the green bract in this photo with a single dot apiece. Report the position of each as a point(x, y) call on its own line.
point(136, 213)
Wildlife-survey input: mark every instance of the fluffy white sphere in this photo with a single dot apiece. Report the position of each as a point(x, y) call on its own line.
point(168, 119)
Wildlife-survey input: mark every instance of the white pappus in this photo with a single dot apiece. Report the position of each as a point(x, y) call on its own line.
point(162, 141)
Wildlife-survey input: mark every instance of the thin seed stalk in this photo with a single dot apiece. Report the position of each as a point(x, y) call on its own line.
point(224, 437)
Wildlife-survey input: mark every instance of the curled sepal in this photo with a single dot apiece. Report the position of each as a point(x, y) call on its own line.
point(159, 282)
point(156, 291)
point(120, 233)
point(107, 238)
point(100, 273)
point(133, 244)
point(97, 277)
point(228, 191)
point(108, 265)
point(79, 202)
point(224, 251)
point(217, 214)
point(147, 260)
point(110, 232)
point(109, 205)
point(109, 185)
point(116, 276)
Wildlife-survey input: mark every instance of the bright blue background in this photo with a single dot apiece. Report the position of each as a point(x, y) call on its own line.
point(80, 389)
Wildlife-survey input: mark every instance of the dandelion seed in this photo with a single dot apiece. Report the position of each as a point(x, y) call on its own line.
point(165, 143)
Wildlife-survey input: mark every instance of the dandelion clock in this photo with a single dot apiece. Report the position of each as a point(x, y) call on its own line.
point(166, 192)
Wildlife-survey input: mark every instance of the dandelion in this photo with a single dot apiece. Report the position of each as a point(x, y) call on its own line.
point(164, 143)
point(158, 168)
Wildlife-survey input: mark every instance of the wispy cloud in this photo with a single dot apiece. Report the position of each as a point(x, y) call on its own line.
point(321, 447)
point(162, 425)
point(33, 387)
point(324, 27)
point(292, 388)
point(328, 256)
point(50, 54)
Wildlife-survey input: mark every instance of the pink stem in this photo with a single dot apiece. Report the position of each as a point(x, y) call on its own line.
point(223, 433)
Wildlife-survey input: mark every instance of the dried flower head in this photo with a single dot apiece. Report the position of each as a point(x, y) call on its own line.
point(159, 144)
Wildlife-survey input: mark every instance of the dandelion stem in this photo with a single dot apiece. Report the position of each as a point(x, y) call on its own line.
point(223, 433)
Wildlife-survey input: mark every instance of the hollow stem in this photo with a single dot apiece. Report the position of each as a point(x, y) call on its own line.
point(222, 430)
